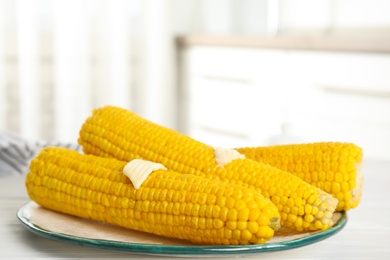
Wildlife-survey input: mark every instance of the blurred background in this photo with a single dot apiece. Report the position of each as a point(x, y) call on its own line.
point(227, 72)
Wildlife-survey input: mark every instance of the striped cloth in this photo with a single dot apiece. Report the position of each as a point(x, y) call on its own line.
point(16, 152)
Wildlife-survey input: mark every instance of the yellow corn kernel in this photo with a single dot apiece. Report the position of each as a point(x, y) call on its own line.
point(118, 133)
point(332, 166)
point(145, 208)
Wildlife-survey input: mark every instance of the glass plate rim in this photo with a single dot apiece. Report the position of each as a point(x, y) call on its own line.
point(183, 250)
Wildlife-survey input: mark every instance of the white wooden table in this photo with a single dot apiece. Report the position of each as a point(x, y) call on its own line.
point(366, 235)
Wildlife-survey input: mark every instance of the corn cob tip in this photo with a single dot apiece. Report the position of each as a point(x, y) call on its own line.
point(331, 166)
point(274, 223)
point(357, 191)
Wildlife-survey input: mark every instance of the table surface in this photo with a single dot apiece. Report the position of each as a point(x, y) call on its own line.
point(366, 235)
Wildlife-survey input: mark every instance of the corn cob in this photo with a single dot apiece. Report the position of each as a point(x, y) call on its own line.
point(167, 203)
point(118, 133)
point(330, 166)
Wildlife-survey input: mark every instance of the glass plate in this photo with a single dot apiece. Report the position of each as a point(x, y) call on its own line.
point(65, 228)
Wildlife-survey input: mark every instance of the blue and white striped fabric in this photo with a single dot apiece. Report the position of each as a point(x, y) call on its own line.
point(16, 153)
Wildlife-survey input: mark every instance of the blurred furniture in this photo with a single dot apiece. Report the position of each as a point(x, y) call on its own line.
point(240, 91)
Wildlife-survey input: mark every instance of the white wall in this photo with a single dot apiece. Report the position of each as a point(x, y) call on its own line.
point(333, 15)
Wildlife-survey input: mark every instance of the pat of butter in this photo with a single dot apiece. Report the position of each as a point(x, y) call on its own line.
point(138, 170)
point(224, 156)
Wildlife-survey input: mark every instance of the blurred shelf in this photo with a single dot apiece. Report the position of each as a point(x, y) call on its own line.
point(327, 89)
point(352, 43)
